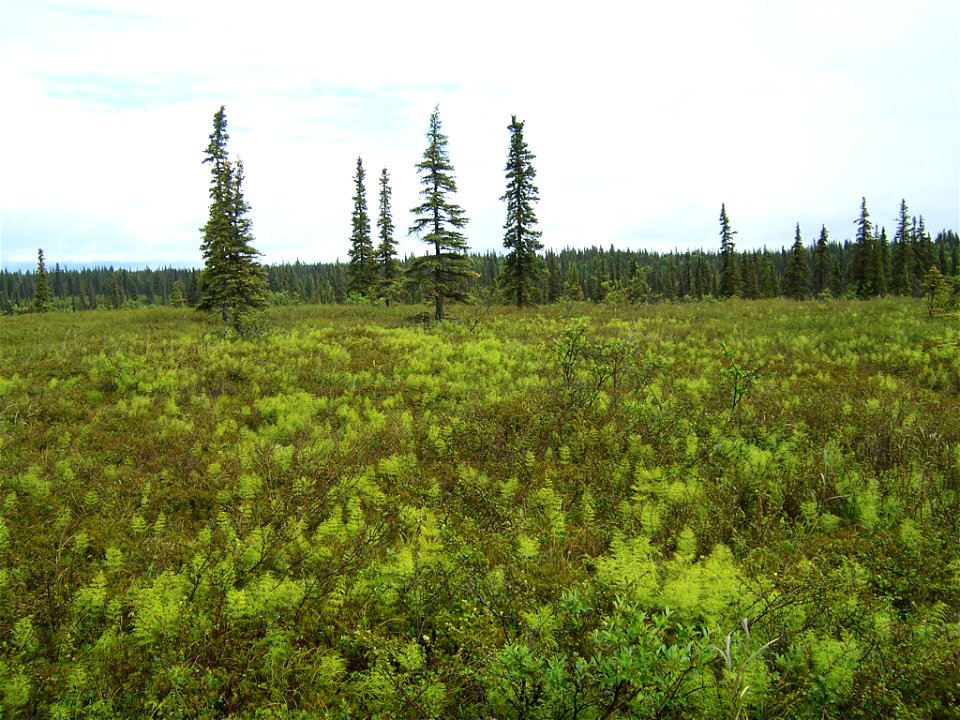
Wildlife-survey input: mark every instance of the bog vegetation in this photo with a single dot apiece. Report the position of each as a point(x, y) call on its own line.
point(712, 510)
point(625, 508)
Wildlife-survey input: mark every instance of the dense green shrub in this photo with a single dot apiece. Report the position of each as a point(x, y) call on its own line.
point(712, 510)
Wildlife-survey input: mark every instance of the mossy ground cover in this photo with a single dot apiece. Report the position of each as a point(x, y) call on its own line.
point(708, 510)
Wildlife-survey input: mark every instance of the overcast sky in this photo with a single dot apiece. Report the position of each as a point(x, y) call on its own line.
point(644, 117)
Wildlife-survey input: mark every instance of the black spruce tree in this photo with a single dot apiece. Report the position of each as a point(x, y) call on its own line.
point(234, 282)
point(523, 267)
point(362, 268)
point(902, 256)
point(729, 264)
point(796, 282)
point(444, 273)
point(863, 273)
point(42, 300)
point(389, 285)
point(821, 263)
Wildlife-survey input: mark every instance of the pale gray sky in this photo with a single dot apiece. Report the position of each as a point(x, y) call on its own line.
point(644, 118)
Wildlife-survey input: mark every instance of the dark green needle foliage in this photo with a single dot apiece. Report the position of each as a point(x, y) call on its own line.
point(42, 300)
point(523, 266)
point(866, 273)
point(796, 278)
point(234, 281)
point(446, 270)
point(729, 265)
point(362, 268)
point(821, 263)
point(923, 254)
point(389, 270)
point(177, 296)
point(881, 264)
point(902, 254)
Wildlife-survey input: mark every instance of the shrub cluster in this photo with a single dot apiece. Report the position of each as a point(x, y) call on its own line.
point(716, 510)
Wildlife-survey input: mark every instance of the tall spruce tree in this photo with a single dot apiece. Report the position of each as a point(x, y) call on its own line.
point(796, 278)
point(923, 255)
point(572, 284)
point(116, 294)
point(881, 263)
point(820, 282)
point(729, 264)
point(770, 283)
point(554, 289)
point(948, 253)
point(902, 256)
point(701, 278)
point(42, 300)
point(749, 275)
point(389, 284)
point(362, 268)
point(446, 272)
point(234, 282)
point(523, 267)
point(836, 276)
point(864, 267)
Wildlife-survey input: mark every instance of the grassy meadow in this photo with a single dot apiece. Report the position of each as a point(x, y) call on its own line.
point(747, 509)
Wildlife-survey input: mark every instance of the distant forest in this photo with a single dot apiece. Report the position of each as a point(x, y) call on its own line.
point(595, 274)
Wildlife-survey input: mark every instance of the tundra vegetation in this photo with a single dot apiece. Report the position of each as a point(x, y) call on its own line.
point(712, 510)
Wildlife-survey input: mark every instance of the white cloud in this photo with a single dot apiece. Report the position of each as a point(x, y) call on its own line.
point(644, 118)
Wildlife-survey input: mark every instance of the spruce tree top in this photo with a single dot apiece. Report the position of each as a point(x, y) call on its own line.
point(440, 218)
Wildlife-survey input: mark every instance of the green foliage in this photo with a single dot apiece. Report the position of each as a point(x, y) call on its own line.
point(942, 294)
point(626, 518)
point(42, 300)
point(522, 266)
point(362, 268)
point(602, 275)
point(796, 279)
point(820, 278)
point(233, 282)
point(389, 285)
point(177, 297)
point(739, 378)
point(730, 267)
point(631, 664)
point(445, 272)
point(867, 275)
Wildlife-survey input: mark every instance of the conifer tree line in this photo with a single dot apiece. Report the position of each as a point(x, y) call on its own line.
point(234, 283)
point(591, 273)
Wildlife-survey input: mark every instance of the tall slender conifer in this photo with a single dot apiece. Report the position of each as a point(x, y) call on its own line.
point(362, 268)
point(729, 263)
point(523, 266)
point(42, 300)
point(446, 271)
point(234, 282)
point(389, 284)
point(796, 277)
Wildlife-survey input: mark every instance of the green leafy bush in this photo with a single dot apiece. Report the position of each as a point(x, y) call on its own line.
point(580, 512)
